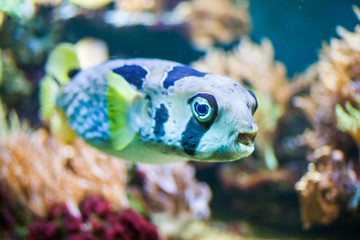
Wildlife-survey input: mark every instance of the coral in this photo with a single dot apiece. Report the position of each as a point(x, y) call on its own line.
point(254, 65)
point(156, 6)
point(332, 111)
point(97, 221)
point(215, 21)
point(326, 188)
point(244, 178)
point(62, 173)
point(174, 195)
point(336, 78)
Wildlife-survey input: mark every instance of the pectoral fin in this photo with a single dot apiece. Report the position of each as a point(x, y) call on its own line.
point(120, 98)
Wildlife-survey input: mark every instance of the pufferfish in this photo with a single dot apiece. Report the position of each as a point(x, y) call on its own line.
point(148, 110)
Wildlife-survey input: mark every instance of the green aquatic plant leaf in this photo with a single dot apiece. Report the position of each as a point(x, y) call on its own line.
point(348, 120)
point(272, 112)
point(3, 122)
point(270, 158)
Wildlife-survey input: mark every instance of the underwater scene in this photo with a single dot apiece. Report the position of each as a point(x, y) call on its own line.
point(179, 119)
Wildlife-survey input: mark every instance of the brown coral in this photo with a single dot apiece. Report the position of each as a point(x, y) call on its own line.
point(326, 188)
point(337, 77)
point(330, 180)
point(175, 196)
point(156, 6)
point(41, 170)
point(215, 21)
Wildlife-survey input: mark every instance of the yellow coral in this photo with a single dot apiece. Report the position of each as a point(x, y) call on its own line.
point(326, 188)
point(336, 78)
point(40, 170)
point(215, 21)
point(156, 6)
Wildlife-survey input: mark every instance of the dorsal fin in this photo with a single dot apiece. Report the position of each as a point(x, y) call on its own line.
point(120, 97)
point(62, 62)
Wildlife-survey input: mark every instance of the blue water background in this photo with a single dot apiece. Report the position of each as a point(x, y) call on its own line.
point(297, 28)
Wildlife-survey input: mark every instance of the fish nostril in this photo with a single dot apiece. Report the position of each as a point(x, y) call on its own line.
point(246, 138)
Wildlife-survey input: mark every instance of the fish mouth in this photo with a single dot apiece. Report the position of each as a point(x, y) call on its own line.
point(246, 139)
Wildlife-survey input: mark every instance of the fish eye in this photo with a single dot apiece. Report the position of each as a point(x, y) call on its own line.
point(204, 108)
point(201, 109)
point(256, 102)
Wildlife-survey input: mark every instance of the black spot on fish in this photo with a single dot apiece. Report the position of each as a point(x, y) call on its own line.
point(179, 72)
point(256, 102)
point(192, 135)
point(134, 74)
point(73, 72)
point(161, 117)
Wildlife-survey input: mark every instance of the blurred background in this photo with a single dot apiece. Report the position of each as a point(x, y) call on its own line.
point(300, 57)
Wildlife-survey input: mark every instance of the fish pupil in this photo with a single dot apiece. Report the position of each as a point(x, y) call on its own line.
point(201, 109)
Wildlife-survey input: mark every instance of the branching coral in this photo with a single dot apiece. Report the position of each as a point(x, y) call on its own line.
point(254, 64)
point(215, 21)
point(156, 6)
point(332, 110)
point(326, 188)
point(175, 195)
point(337, 78)
point(41, 170)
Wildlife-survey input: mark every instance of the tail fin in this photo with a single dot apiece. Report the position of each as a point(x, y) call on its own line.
point(61, 63)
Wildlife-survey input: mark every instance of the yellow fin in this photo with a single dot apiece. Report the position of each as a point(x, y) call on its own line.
point(61, 62)
point(48, 92)
point(120, 97)
point(60, 127)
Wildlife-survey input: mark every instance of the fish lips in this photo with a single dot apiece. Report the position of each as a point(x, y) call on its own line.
point(246, 141)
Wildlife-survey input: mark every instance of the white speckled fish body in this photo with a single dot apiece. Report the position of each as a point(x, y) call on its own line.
point(181, 113)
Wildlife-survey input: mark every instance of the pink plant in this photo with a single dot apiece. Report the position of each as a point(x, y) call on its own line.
point(97, 221)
